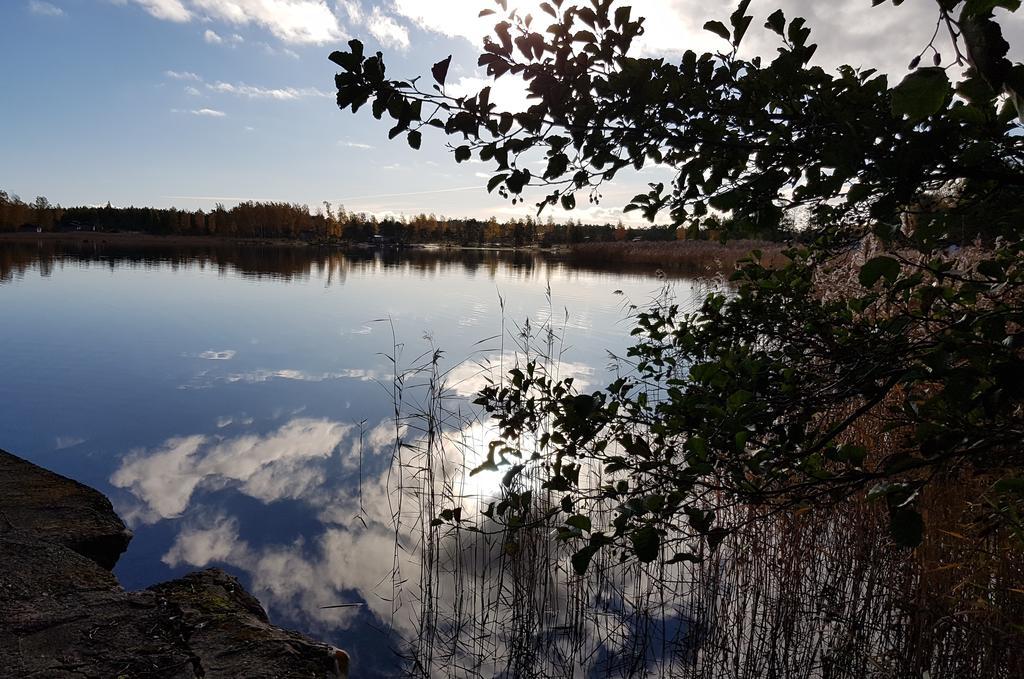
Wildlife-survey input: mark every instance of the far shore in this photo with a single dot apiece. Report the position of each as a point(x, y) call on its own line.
point(680, 257)
point(141, 239)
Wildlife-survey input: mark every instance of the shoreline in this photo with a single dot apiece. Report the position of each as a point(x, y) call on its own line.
point(142, 239)
point(64, 614)
point(689, 256)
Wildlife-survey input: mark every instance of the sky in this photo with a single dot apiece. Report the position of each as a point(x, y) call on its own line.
point(188, 103)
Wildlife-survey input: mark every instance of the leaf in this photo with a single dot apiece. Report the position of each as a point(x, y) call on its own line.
point(568, 201)
point(922, 93)
point(740, 22)
point(579, 521)
point(495, 181)
point(415, 139)
point(646, 544)
point(974, 7)
point(440, 70)
point(622, 16)
point(718, 28)
point(906, 527)
point(581, 559)
point(776, 22)
point(462, 153)
point(876, 268)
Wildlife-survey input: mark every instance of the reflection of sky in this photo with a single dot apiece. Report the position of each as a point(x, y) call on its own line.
point(231, 418)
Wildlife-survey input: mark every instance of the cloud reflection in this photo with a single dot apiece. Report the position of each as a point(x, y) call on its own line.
point(469, 377)
point(212, 355)
point(366, 545)
point(286, 463)
point(206, 380)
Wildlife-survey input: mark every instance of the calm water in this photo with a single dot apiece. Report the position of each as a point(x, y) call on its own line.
point(219, 397)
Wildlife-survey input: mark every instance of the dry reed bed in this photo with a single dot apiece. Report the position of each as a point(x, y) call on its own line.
point(819, 593)
point(687, 257)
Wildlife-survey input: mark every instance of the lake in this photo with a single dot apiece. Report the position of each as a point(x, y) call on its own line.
point(237, 403)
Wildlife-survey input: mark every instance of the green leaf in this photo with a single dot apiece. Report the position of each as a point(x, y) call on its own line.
point(922, 93)
point(646, 544)
point(718, 28)
point(876, 268)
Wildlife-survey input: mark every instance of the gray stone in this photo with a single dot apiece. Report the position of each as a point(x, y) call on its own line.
point(61, 510)
point(63, 614)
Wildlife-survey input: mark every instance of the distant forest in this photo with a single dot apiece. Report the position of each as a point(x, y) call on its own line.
point(326, 224)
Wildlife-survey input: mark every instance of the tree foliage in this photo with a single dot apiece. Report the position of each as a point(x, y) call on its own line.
point(762, 396)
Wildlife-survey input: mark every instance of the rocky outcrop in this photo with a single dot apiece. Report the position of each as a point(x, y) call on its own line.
point(60, 510)
point(63, 614)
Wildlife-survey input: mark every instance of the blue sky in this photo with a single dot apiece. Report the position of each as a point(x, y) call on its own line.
point(193, 102)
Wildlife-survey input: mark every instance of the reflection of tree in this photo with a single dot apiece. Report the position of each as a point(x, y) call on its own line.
point(279, 262)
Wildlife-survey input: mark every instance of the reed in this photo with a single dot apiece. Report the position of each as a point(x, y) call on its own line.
point(685, 257)
point(818, 593)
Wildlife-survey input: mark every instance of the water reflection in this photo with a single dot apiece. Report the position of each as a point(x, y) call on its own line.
point(288, 263)
point(286, 463)
point(235, 403)
point(344, 482)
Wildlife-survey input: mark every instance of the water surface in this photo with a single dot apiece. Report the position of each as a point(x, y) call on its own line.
point(235, 403)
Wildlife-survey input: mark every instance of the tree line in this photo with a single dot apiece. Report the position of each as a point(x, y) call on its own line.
point(326, 223)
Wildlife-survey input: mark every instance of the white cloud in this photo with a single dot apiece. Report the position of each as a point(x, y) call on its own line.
point(44, 9)
point(192, 92)
point(63, 442)
point(274, 51)
point(387, 31)
point(167, 10)
point(292, 21)
point(356, 145)
point(508, 94)
point(253, 92)
point(847, 31)
point(182, 75)
point(454, 18)
point(212, 37)
point(204, 112)
point(353, 9)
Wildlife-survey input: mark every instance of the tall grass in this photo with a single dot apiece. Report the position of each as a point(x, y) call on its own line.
point(685, 257)
point(820, 593)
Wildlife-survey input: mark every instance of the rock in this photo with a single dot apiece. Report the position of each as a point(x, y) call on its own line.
point(231, 635)
point(63, 613)
point(61, 510)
